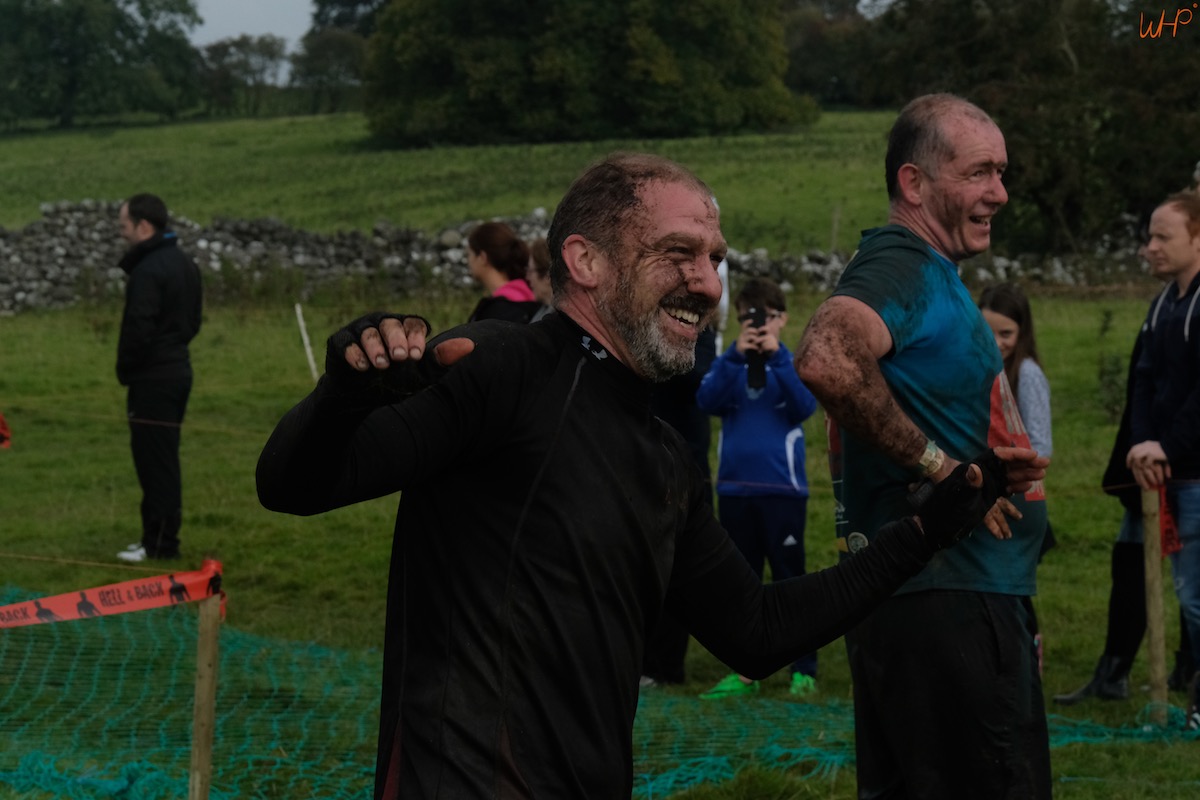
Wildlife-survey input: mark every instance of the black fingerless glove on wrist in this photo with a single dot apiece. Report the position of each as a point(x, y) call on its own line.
point(953, 508)
point(375, 386)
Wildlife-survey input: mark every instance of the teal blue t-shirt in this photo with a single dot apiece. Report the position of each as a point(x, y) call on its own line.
point(946, 374)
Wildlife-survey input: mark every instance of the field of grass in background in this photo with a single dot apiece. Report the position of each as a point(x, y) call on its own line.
point(787, 193)
point(69, 502)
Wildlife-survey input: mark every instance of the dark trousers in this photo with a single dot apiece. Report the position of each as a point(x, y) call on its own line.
point(155, 410)
point(770, 529)
point(1127, 613)
point(948, 701)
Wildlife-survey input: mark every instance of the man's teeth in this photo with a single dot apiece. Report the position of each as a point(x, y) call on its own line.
point(690, 317)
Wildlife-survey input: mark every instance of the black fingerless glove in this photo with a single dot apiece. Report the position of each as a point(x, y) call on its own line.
point(953, 508)
point(375, 386)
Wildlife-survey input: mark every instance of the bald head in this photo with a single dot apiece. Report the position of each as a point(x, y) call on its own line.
point(919, 135)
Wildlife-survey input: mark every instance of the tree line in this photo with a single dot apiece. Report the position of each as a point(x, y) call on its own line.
point(485, 71)
point(65, 60)
point(1097, 98)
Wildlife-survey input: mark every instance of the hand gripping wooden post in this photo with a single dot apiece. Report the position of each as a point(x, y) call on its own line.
point(205, 711)
point(1155, 640)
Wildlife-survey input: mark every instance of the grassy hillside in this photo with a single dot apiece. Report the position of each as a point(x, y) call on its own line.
point(785, 193)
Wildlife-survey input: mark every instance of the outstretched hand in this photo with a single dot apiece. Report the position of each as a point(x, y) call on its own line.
point(378, 340)
point(363, 352)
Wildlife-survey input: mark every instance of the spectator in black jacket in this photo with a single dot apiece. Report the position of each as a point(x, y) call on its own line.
point(162, 315)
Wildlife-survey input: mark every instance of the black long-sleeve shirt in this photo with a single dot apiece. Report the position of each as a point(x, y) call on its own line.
point(547, 518)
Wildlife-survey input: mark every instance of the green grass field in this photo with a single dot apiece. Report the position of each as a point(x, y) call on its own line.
point(784, 192)
point(68, 494)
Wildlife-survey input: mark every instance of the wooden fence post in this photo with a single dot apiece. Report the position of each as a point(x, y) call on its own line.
point(1155, 638)
point(205, 710)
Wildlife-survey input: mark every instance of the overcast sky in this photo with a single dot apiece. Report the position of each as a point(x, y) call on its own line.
point(225, 18)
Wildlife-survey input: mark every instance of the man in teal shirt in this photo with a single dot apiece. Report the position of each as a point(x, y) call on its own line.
point(948, 700)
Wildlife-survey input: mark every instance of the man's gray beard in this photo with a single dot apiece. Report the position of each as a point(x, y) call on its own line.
point(653, 356)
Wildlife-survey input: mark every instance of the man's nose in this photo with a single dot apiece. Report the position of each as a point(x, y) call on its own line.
point(997, 193)
point(702, 278)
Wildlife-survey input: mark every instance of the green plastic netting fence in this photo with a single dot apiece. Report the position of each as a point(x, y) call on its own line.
point(102, 708)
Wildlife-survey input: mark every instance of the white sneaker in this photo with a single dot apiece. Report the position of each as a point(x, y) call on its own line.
point(134, 554)
point(134, 546)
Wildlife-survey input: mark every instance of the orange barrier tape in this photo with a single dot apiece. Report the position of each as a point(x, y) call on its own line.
point(119, 598)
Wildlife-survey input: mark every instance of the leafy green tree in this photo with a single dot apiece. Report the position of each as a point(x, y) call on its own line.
point(1105, 141)
point(239, 71)
point(219, 78)
point(1099, 119)
point(472, 71)
point(919, 46)
point(165, 77)
point(17, 100)
point(824, 53)
point(329, 64)
point(358, 16)
point(72, 57)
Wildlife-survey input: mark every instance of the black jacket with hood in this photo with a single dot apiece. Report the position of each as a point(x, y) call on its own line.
point(162, 311)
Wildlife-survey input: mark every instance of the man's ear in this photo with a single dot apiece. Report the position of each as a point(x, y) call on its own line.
point(584, 261)
point(910, 181)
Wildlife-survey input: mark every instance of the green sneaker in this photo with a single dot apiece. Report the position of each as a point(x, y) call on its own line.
point(802, 685)
point(730, 686)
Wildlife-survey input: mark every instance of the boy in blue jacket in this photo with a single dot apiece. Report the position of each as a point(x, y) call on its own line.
point(762, 486)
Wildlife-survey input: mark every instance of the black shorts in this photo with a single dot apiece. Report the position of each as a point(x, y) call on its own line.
point(947, 699)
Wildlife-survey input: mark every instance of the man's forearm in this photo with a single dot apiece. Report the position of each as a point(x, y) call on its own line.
point(853, 391)
point(838, 360)
point(301, 462)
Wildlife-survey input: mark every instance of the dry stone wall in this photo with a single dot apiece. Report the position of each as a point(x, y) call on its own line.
point(72, 251)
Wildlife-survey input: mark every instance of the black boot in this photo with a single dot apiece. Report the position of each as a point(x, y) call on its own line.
point(1193, 712)
point(1110, 682)
point(1180, 679)
point(1126, 600)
